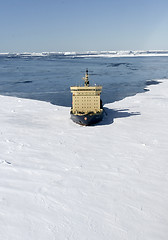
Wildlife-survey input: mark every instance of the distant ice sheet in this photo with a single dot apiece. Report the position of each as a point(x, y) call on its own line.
point(91, 54)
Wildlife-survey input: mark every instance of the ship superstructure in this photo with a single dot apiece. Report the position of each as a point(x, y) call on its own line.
point(86, 103)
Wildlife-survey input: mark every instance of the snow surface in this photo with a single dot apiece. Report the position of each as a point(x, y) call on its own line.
point(59, 180)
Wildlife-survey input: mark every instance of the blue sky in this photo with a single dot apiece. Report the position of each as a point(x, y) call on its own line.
point(83, 25)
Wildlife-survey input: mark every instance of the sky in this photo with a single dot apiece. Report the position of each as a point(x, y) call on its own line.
point(83, 25)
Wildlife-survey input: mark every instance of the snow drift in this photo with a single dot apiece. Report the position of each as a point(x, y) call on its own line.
point(63, 181)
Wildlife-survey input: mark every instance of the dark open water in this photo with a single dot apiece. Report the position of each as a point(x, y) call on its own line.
point(48, 78)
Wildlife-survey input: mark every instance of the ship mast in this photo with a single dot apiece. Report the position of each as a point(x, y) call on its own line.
point(86, 78)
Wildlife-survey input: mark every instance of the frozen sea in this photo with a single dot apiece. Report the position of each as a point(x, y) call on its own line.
point(48, 77)
point(60, 180)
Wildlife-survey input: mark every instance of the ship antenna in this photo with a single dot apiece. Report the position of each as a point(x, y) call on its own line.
point(86, 78)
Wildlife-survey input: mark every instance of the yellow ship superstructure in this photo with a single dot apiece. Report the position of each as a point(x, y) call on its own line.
point(86, 99)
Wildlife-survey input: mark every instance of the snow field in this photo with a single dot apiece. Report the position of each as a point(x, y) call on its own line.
point(62, 181)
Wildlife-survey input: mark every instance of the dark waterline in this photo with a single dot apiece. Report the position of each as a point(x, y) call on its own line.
point(49, 78)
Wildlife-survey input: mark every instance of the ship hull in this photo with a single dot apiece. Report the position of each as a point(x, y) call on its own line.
point(87, 119)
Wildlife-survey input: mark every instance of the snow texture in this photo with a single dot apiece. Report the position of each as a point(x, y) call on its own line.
point(62, 181)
